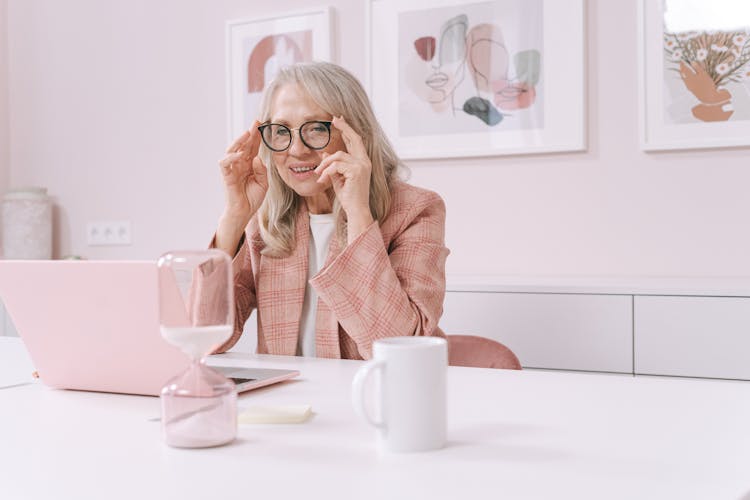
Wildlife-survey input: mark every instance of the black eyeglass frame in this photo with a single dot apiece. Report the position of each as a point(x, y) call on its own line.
point(327, 124)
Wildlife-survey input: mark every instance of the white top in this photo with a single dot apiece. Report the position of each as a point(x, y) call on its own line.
point(511, 434)
point(322, 227)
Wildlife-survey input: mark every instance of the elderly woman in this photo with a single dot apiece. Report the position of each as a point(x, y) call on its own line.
point(329, 245)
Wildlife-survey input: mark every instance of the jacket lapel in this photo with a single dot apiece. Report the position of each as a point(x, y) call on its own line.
point(281, 291)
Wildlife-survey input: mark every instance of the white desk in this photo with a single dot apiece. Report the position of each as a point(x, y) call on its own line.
point(512, 435)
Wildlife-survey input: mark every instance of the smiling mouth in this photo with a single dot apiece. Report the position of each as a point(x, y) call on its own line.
point(302, 170)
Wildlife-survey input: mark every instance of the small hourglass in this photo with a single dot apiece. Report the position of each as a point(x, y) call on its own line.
point(196, 311)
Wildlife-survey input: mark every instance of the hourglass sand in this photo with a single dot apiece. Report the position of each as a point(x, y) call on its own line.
point(196, 311)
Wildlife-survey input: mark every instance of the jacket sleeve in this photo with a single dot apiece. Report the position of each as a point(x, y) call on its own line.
point(378, 292)
point(245, 298)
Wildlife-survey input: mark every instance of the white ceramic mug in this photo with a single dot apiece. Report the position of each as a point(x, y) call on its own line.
point(411, 392)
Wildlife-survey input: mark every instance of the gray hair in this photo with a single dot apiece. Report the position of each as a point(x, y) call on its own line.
point(339, 93)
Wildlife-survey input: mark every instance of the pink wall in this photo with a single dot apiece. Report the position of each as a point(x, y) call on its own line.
point(119, 109)
point(4, 156)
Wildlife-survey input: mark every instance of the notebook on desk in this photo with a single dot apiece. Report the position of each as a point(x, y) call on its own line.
point(94, 326)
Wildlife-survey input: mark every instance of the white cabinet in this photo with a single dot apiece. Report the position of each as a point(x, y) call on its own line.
point(549, 330)
point(693, 336)
point(682, 326)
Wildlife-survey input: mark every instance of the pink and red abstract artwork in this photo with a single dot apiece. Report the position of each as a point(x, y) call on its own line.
point(471, 64)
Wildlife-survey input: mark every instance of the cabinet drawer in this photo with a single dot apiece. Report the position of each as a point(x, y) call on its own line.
point(693, 336)
point(562, 331)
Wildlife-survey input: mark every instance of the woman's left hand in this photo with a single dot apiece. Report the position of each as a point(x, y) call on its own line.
point(349, 173)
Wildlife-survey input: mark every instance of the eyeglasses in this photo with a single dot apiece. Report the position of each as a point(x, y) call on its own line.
point(314, 135)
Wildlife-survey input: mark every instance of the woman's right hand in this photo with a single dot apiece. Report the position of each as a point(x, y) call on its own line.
point(245, 182)
point(244, 174)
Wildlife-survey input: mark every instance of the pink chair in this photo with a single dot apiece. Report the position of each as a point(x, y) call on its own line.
point(480, 352)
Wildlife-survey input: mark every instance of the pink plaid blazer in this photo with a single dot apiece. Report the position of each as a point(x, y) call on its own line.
point(389, 282)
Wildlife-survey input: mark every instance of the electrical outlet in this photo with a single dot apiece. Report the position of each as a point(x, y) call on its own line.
point(108, 233)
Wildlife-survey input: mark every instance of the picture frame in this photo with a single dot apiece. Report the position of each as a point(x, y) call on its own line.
point(693, 92)
point(257, 48)
point(468, 78)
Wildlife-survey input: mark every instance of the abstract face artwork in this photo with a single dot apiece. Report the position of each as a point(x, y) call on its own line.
point(446, 57)
point(467, 69)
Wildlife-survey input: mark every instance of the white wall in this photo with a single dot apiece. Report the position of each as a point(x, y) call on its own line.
point(119, 108)
point(4, 155)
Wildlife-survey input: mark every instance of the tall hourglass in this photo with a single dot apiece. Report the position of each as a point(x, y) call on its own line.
point(196, 311)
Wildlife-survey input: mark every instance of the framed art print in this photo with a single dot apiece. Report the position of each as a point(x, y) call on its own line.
point(694, 73)
point(452, 78)
point(257, 48)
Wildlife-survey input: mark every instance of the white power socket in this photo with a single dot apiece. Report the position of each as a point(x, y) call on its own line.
point(108, 233)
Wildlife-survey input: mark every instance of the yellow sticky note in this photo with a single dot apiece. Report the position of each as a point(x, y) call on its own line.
point(289, 414)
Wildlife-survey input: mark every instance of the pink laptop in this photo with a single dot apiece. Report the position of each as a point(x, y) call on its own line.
point(94, 326)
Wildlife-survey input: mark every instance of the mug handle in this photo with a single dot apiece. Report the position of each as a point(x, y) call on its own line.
point(358, 391)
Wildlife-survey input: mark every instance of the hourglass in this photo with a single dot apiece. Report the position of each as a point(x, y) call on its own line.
point(196, 311)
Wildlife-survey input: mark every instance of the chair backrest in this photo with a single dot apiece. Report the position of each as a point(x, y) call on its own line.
point(480, 352)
